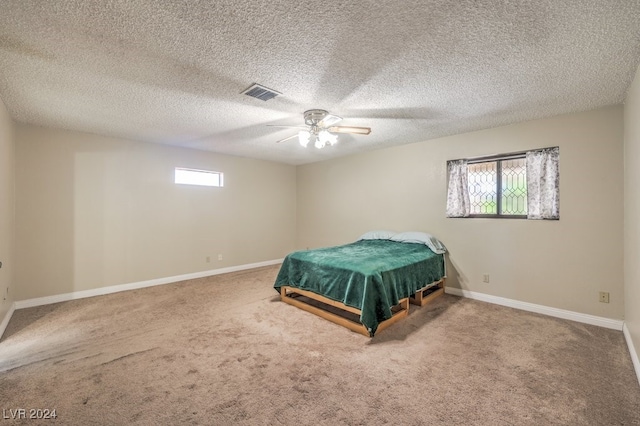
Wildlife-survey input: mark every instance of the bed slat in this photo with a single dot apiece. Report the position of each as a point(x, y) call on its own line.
point(337, 319)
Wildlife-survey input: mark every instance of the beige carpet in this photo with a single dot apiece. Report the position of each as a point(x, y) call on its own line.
point(224, 350)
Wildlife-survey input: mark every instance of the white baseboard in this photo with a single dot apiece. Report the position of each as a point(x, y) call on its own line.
point(6, 319)
point(540, 309)
point(632, 350)
point(39, 301)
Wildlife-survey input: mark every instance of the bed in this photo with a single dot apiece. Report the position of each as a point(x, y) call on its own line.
point(366, 285)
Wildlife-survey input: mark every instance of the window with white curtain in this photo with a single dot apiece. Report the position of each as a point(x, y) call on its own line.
point(523, 185)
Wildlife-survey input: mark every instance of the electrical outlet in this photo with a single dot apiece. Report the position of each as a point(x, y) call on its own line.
point(219, 256)
point(604, 297)
point(485, 278)
point(208, 259)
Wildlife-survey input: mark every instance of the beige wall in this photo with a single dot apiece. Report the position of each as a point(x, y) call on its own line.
point(632, 212)
point(6, 211)
point(562, 264)
point(94, 211)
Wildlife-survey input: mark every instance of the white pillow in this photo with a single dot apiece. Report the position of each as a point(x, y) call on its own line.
point(421, 238)
point(377, 235)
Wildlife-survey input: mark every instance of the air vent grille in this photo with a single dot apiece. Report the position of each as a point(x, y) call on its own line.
point(260, 92)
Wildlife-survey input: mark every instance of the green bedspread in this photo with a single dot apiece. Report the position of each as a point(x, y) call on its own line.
point(370, 275)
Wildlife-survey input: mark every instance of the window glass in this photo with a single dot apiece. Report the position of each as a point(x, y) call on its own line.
point(482, 188)
point(514, 187)
point(498, 187)
point(198, 177)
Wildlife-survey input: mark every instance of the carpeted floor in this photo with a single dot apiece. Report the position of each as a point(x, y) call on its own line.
point(224, 350)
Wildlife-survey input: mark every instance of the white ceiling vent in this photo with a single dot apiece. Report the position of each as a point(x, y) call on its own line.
point(261, 92)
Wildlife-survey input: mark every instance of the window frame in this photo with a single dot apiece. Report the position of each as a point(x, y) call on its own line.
point(498, 158)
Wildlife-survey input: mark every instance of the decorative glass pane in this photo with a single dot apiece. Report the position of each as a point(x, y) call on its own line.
point(482, 188)
point(514, 187)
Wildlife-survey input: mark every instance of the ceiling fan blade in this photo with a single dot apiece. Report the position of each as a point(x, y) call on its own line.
point(329, 120)
point(288, 127)
point(286, 139)
point(350, 129)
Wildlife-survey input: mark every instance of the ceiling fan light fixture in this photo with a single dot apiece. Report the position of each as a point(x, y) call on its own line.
point(320, 130)
point(327, 138)
point(303, 138)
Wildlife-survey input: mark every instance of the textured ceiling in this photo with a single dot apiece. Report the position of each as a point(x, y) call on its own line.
point(172, 71)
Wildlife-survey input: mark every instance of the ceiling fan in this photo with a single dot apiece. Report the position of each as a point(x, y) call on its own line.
point(321, 130)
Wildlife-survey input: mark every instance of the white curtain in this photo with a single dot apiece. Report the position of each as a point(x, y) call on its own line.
point(543, 184)
point(458, 204)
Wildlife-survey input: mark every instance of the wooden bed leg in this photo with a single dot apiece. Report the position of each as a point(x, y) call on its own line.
point(402, 313)
point(417, 299)
point(420, 299)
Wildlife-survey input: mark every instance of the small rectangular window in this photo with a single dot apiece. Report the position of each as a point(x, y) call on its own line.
point(198, 177)
point(498, 188)
point(523, 185)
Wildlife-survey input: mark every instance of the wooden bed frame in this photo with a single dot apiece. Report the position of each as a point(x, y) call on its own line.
point(427, 293)
point(295, 296)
